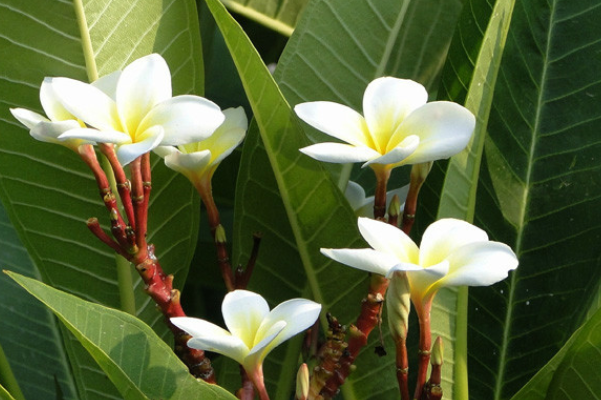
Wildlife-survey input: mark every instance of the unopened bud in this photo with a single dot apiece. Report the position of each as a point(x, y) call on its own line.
point(398, 305)
point(220, 236)
point(419, 172)
point(394, 208)
point(302, 382)
point(436, 358)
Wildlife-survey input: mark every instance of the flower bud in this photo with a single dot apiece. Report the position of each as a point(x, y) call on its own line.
point(398, 305)
point(302, 382)
point(436, 357)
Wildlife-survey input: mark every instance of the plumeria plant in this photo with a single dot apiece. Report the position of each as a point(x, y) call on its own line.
point(357, 130)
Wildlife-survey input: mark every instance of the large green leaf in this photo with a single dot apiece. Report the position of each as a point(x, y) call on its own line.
point(279, 15)
point(29, 336)
point(47, 191)
point(473, 83)
point(572, 373)
point(539, 191)
point(136, 360)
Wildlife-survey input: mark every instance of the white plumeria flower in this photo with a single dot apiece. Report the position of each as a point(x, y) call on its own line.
point(135, 110)
point(198, 161)
point(253, 330)
point(364, 206)
point(397, 127)
point(452, 253)
point(58, 122)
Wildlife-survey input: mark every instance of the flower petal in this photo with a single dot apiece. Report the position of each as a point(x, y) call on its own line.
point(445, 236)
point(228, 136)
point(444, 129)
point(399, 154)
point(480, 264)
point(243, 312)
point(339, 153)
point(387, 102)
point(94, 135)
point(126, 153)
point(188, 164)
point(185, 119)
point(27, 117)
point(52, 132)
point(208, 336)
point(298, 315)
point(164, 151)
point(142, 85)
point(51, 103)
point(355, 195)
point(364, 259)
point(421, 280)
point(257, 354)
point(390, 240)
point(336, 120)
point(87, 103)
point(108, 84)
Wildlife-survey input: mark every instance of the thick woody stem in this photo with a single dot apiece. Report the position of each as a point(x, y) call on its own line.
point(329, 355)
point(223, 260)
point(425, 343)
point(140, 205)
point(367, 321)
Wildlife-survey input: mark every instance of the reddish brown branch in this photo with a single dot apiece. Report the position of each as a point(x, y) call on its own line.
point(123, 184)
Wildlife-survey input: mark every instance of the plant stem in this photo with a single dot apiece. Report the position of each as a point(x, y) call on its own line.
point(126, 285)
point(460, 386)
point(425, 343)
point(402, 368)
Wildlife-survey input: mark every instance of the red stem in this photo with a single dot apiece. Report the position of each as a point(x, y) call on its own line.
point(425, 343)
point(410, 207)
point(123, 184)
point(402, 368)
point(247, 391)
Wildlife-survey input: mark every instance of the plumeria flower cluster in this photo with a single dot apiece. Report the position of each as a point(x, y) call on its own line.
point(133, 109)
point(254, 330)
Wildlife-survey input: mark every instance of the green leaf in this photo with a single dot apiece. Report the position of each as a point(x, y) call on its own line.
point(572, 373)
point(539, 192)
point(279, 15)
point(458, 196)
point(46, 190)
point(4, 395)
point(30, 338)
point(137, 361)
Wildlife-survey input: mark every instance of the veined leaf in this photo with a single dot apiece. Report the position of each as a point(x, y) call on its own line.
point(279, 15)
point(4, 395)
point(30, 338)
point(571, 373)
point(136, 360)
point(458, 196)
point(539, 192)
point(46, 190)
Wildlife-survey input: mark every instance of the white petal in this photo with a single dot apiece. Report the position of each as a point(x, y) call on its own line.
point(51, 104)
point(208, 336)
point(364, 259)
point(142, 85)
point(87, 103)
point(444, 129)
point(387, 102)
point(336, 120)
point(339, 153)
point(188, 164)
point(108, 84)
point(399, 154)
point(480, 264)
point(164, 151)
point(27, 117)
point(296, 315)
point(355, 195)
point(258, 353)
point(126, 153)
point(421, 280)
point(243, 312)
point(94, 135)
point(389, 239)
point(228, 136)
point(186, 119)
point(446, 235)
point(51, 131)
point(367, 210)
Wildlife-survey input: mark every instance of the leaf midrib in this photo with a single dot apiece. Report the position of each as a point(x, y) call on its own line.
point(527, 185)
